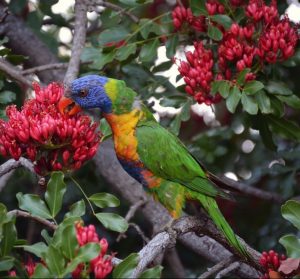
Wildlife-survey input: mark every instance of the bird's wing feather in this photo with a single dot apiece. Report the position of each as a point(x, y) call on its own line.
point(166, 157)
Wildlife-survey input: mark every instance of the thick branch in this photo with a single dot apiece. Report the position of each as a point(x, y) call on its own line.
point(13, 72)
point(20, 213)
point(12, 164)
point(78, 41)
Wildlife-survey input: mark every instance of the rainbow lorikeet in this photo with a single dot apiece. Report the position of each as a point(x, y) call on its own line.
point(150, 153)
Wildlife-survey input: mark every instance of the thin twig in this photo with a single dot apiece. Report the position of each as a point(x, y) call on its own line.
point(216, 268)
point(115, 7)
point(78, 41)
point(227, 270)
point(44, 68)
point(13, 73)
point(20, 213)
point(140, 232)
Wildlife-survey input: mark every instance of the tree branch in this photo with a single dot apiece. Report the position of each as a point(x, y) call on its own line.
point(20, 213)
point(78, 40)
point(42, 68)
point(14, 73)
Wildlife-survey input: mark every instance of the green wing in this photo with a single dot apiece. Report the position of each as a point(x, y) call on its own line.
point(165, 156)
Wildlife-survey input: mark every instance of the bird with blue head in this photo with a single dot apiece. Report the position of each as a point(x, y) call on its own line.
point(150, 153)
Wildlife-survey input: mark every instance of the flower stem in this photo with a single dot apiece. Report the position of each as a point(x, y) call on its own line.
point(85, 196)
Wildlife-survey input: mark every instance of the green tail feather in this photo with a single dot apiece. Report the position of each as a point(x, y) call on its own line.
point(211, 206)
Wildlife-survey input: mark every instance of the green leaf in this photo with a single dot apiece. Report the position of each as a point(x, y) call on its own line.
point(41, 272)
point(214, 33)
point(249, 104)
point(55, 261)
point(7, 97)
point(148, 26)
point(125, 51)
point(113, 35)
point(277, 107)
point(97, 57)
point(284, 127)
point(224, 20)
point(46, 236)
point(154, 272)
point(38, 249)
point(175, 125)
point(263, 102)
point(291, 212)
point(126, 267)
point(291, 244)
point(216, 85)
point(70, 243)
point(76, 209)
point(278, 87)
point(265, 133)
point(198, 7)
point(85, 254)
point(171, 45)
point(291, 100)
point(9, 238)
point(56, 189)
point(186, 111)
point(241, 77)
point(103, 200)
point(224, 89)
point(253, 86)
point(34, 205)
point(105, 129)
point(58, 237)
point(6, 263)
point(149, 51)
point(113, 221)
point(233, 99)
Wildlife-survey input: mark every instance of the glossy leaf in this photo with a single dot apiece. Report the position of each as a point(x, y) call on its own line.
point(252, 87)
point(149, 51)
point(223, 20)
point(6, 263)
point(154, 272)
point(241, 77)
point(278, 87)
point(113, 35)
point(263, 102)
point(113, 221)
point(198, 7)
point(9, 238)
point(233, 99)
point(56, 189)
point(55, 261)
point(76, 209)
point(103, 200)
point(38, 249)
point(41, 271)
point(34, 205)
point(70, 243)
point(265, 133)
point(284, 127)
point(85, 254)
point(214, 33)
point(291, 244)
point(249, 104)
point(125, 268)
point(171, 45)
point(291, 212)
point(291, 100)
point(124, 52)
point(224, 88)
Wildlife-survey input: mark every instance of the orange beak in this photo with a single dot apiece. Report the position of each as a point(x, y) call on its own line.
point(68, 106)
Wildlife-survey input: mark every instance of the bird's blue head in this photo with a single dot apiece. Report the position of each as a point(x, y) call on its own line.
point(92, 91)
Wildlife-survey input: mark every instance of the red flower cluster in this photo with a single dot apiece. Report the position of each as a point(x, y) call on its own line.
point(42, 134)
point(181, 15)
point(29, 267)
point(101, 265)
point(271, 261)
point(198, 75)
point(264, 38)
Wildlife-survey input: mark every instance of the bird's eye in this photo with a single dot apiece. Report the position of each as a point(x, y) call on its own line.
point(83, 93)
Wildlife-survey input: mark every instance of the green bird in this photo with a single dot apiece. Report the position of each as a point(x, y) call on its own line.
point(150, 153)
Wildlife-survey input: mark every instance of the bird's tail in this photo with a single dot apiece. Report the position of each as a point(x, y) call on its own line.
point(211, 207)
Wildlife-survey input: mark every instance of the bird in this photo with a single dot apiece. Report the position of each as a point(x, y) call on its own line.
point(149, 152)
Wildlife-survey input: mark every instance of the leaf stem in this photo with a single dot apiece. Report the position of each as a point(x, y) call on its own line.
point(85, 196)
